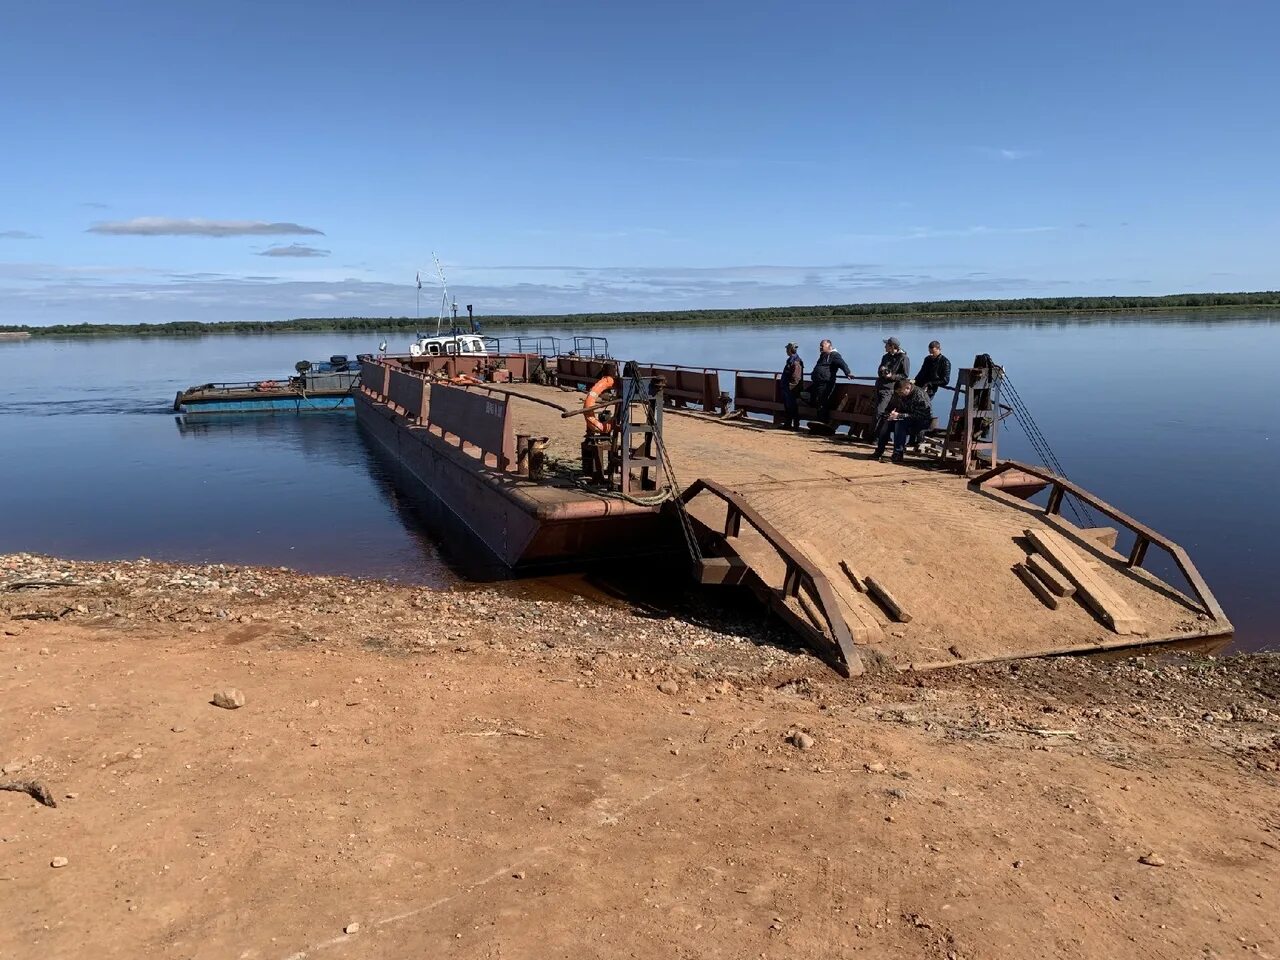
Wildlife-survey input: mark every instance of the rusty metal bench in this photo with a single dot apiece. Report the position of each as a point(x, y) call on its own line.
point(579, 372)
point(685, 385)
point(852, 404)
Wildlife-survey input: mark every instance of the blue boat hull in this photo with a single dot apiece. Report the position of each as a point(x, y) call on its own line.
point(283, 404)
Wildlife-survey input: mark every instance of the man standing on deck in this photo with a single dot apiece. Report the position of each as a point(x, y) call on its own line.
point(789, 385)
point(909, 412)
point(895, 367)
point(823, 379)
point(935, 372)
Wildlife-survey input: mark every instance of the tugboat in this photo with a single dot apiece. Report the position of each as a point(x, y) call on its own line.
point(455, 343)
point(317, 387)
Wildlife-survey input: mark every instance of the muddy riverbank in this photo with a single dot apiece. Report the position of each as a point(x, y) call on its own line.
point(478, 773)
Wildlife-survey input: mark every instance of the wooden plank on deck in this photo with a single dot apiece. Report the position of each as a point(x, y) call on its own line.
point(1094, 593)
point(1052, 577)
point(1036, 586)
point(887, 600)
point(854, 577)
point(858, 616)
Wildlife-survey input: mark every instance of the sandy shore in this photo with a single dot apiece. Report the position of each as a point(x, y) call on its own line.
point(490, 774)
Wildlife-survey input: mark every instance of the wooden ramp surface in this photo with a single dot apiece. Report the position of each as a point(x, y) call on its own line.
point(944, 553)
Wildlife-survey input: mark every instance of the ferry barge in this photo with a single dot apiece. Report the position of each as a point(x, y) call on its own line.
point(316, 387)
point(550, 459)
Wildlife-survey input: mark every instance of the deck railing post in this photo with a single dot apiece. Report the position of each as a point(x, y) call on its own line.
point(1055, 500)
point(732, 522)
point(1139, 551)
point(791, 580)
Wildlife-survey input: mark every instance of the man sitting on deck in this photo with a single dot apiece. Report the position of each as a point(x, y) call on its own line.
point(909, 411)
point(823, 379)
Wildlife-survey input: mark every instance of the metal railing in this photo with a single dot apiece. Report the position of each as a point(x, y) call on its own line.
point(542, 346)
point(1144, 536)
point(801, 575)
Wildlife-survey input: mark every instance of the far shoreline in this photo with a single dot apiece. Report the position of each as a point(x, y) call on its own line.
point(745, 317)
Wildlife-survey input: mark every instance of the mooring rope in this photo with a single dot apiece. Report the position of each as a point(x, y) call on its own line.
point(657, 499)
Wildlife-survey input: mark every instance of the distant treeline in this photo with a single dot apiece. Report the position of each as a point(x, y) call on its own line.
point(871, 311)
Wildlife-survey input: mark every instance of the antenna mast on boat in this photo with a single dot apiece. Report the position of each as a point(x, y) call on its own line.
point(444, 298)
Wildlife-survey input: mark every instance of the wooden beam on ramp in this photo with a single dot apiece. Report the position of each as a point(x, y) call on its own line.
point(1093, 592)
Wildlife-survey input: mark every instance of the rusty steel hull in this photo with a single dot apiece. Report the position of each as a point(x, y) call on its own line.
point(518, 531)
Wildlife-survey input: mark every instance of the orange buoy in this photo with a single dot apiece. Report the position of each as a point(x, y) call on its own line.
point(592, 399)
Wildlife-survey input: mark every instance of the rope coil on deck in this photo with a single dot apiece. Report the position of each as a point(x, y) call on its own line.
point(655, 500)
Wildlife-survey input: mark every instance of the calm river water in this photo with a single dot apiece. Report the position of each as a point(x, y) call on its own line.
point(1171, 417)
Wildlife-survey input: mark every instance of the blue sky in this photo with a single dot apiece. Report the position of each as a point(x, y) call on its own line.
point(219, 161)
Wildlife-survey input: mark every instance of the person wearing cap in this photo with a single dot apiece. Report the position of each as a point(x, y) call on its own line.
point(895, 366)
point(823, 379)
point(789, 385)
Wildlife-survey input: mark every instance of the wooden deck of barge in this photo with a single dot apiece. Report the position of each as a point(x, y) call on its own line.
point(942, 550)
point(918, 566)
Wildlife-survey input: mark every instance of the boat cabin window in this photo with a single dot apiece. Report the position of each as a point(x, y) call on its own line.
point(433, 349)
point(451, 347)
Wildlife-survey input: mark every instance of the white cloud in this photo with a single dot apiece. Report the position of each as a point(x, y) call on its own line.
point(29, 294)
point(18, 235)
point(933, 233)
point(1008, 153)
point(294, 250)
point(198, 227)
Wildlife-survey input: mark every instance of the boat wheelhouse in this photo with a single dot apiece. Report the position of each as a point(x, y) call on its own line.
point(453, 345)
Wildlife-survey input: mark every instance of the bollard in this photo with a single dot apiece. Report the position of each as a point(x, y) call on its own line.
point(522, 454)
point(537, 457)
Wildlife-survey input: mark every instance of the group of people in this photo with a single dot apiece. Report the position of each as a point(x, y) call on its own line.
point(904, 406)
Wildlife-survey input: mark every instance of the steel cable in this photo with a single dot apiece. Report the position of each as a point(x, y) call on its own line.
point(1040, 444)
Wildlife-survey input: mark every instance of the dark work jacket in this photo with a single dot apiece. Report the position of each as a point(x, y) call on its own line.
point(793, 373)
point(935, 372)
point(824, 371)
point(917, 405)
point(898, 366)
